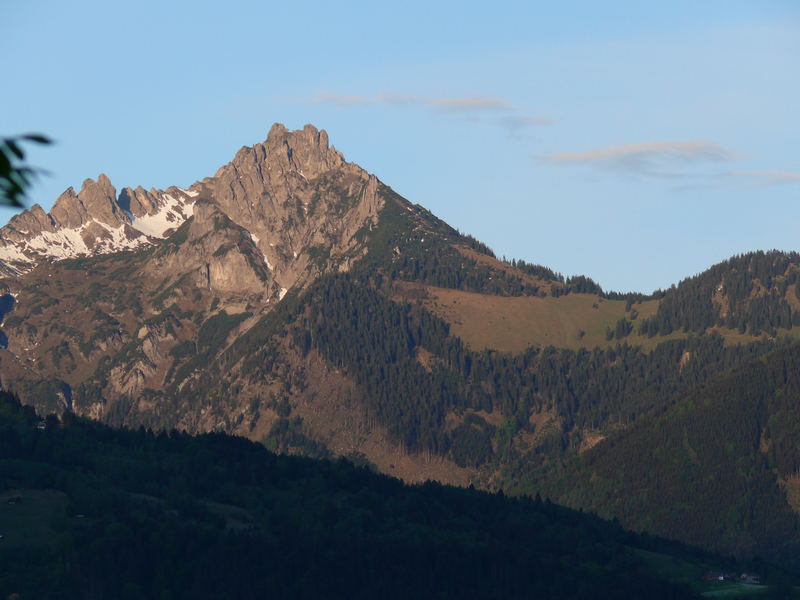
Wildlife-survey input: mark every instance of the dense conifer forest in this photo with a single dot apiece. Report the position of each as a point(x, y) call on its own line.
point(716, 468)
point(92, 512)
point(747, 292)
point(524, 421)
point(377, 340)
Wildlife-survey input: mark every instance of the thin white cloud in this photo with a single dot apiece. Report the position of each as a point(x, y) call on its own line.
point(492, 110)
point(765, 177)
point(446, 104)
point(468, 104)
point(656, 158)
point(514, 122)
point(353, 100)
point(514, 125)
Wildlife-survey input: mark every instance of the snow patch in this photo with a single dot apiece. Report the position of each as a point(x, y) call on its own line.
point(189, 193)
point(13, 254)
point(283, 293)
point(68, 243)
point(61, 244)
point(171, 214)
point(118, 240)
point(255, 240)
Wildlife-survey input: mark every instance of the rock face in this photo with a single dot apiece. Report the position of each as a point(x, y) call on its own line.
point(296, 198)
point(156, 213)
point(300, 201)
point(175, 274)
point(184, 308)
point(91, 222)
point(97, 201)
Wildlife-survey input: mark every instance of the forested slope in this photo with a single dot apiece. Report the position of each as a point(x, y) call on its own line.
point(753, 292)
point(719, 468)
point(305, 305)
point(378, 341)
point(130, 514)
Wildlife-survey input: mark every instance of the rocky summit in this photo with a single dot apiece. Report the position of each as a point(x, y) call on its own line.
point(114, 294)
point(294, 299)
point(270, 190)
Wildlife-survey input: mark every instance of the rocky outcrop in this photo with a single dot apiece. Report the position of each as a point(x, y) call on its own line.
point(155, 213)
point(299, 201)
point(88, 223)
point(125, 334)
point(97, 201)
point(215, 254)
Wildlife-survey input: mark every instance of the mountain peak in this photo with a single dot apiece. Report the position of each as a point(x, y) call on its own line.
point(97, 200)
point(276, 190)
point(305, 151)
point(272, 189)
point(277, 130)
point(102, 182)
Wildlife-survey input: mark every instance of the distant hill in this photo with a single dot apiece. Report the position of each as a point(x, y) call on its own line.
point(753, 293)
point(719, 468)
point(296, 300)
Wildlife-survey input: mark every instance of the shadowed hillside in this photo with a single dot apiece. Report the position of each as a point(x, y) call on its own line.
point(719, 468)
point(93, 512)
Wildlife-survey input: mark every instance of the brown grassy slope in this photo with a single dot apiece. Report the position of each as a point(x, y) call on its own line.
point(326, 401)
point(512, 324)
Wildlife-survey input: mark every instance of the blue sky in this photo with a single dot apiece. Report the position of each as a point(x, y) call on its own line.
point(634, 142)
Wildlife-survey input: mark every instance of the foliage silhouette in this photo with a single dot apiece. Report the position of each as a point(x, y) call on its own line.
point(16, 176)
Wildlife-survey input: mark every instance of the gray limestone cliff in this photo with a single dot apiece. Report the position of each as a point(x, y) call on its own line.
point(296, 196)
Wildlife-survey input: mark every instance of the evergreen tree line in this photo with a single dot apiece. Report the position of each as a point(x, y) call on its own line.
point(135, 515)
point(716, 469)
point(413, 245)
point(377, 341)
point(578, 284)
point(747, 292)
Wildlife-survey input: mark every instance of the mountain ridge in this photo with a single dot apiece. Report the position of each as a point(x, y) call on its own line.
point(97, 220)
point(298, 301)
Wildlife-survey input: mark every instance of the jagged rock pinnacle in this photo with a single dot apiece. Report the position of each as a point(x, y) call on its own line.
point(291, 192)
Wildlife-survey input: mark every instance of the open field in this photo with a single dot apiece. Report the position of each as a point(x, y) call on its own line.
point(689, 570)
point(735, 590)
point(512, 324)
point(28, 521)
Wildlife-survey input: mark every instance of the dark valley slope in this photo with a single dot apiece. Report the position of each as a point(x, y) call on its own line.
point(89, 512)
point(296, 300)
point(720, 467)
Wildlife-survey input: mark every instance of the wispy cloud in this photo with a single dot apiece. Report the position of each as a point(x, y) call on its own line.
point(519, 121)
point(467, 104)
point(479, 108)
point(648, 158)
point(764, 177)
point(514, 125)
point(446, 104)
point(681, 161)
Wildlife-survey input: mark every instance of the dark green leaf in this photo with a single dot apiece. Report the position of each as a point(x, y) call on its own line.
point(36, 138)
point(12, 145)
